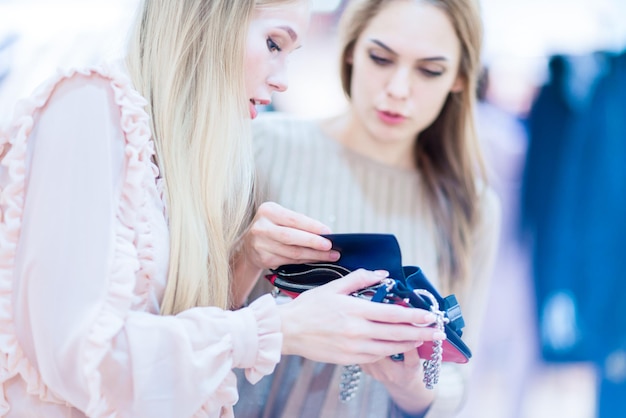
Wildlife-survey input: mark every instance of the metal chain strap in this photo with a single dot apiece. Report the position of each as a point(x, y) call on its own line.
point(351, 376)
point(432, 367)
point(350, 379)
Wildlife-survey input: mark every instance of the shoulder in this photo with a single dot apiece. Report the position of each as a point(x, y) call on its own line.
point(76, 101)
point(76, 91)
point(91, 111)
point(92, 86)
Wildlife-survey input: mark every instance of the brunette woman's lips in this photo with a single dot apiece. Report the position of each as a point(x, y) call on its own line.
point(390, 118)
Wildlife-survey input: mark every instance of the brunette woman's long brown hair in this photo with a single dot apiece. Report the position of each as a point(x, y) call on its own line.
point(446, 153)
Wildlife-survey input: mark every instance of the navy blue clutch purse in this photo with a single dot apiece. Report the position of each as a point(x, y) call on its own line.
point(406, 285)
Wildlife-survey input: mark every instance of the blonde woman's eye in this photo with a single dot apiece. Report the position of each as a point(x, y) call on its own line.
point(272, 46)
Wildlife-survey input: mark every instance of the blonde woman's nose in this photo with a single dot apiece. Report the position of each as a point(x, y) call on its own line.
point(278, 81)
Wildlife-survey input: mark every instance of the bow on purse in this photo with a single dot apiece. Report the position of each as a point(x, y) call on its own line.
point(406, 286)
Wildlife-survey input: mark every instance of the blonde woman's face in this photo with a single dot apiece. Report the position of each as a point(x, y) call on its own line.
point(273, 34)
point(404, 64)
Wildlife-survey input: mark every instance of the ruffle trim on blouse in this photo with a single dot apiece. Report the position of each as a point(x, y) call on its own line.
point(227, 394)
point(264, 313)
point(133, 261)
point(270, 338)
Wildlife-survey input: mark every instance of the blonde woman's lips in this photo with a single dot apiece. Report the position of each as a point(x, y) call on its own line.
point(254, 102)
point(253, 111)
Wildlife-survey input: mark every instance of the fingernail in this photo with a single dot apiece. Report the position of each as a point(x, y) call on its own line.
point(439, 335)
point(334, 255)
point(381, 273)
point(419, 343)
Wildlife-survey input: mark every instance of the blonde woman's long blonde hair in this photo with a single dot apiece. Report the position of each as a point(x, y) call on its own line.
point(446, 153)
point(187, 59)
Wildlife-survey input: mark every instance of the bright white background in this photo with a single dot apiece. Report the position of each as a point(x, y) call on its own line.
point(519, 37)
point(519, 34)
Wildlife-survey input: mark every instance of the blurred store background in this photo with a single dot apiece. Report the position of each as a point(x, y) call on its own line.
point(552, 120)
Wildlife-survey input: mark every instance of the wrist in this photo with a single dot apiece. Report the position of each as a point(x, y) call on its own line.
point(398, 412)
point(285, 327)
point(412, 399)
point(245, 276)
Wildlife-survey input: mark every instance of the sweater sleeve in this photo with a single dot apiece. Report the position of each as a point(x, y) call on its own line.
point(473, 300)
point(69, 266)
point(486, 239)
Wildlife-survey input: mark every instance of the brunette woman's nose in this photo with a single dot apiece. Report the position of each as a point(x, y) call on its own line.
point(398, 86)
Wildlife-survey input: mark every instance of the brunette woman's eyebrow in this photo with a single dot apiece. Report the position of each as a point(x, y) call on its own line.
point(383, 46)
point(434, 59)
point(391, 51)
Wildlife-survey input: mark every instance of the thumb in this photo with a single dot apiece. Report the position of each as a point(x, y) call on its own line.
point(357, 280)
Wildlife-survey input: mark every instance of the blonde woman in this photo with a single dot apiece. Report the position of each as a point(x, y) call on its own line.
point(403, 159)
point(124, 190)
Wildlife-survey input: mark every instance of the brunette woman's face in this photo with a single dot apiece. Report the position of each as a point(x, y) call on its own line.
point(273, 34)
point(404, 65)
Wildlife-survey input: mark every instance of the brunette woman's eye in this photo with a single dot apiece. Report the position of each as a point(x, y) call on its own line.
point(431, 73)
point(379, 60)
point(272, 46)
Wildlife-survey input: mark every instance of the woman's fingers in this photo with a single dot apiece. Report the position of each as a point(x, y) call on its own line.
point(405, 333)
point(380, 312)
point(385, 312)
point(296, 237)
point(282, 216)
point(397, 374)
point(391, 337)
point(372, 351)
point(325, 326)
point(279, 236)
point(355, 281)
point(275, 254)
point(369, 351)
point(412, 359)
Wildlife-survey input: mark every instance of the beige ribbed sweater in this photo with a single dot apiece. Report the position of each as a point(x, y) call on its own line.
point(304, 170)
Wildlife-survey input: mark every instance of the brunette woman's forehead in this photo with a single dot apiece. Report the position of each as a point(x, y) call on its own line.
point(413, 29)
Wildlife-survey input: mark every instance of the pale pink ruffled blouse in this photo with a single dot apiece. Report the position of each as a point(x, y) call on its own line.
point(83, 262)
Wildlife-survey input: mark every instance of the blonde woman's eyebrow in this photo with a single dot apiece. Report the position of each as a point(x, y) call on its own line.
point(292, 33)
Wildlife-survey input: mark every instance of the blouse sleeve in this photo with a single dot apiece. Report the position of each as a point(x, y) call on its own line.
point(74, 273)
